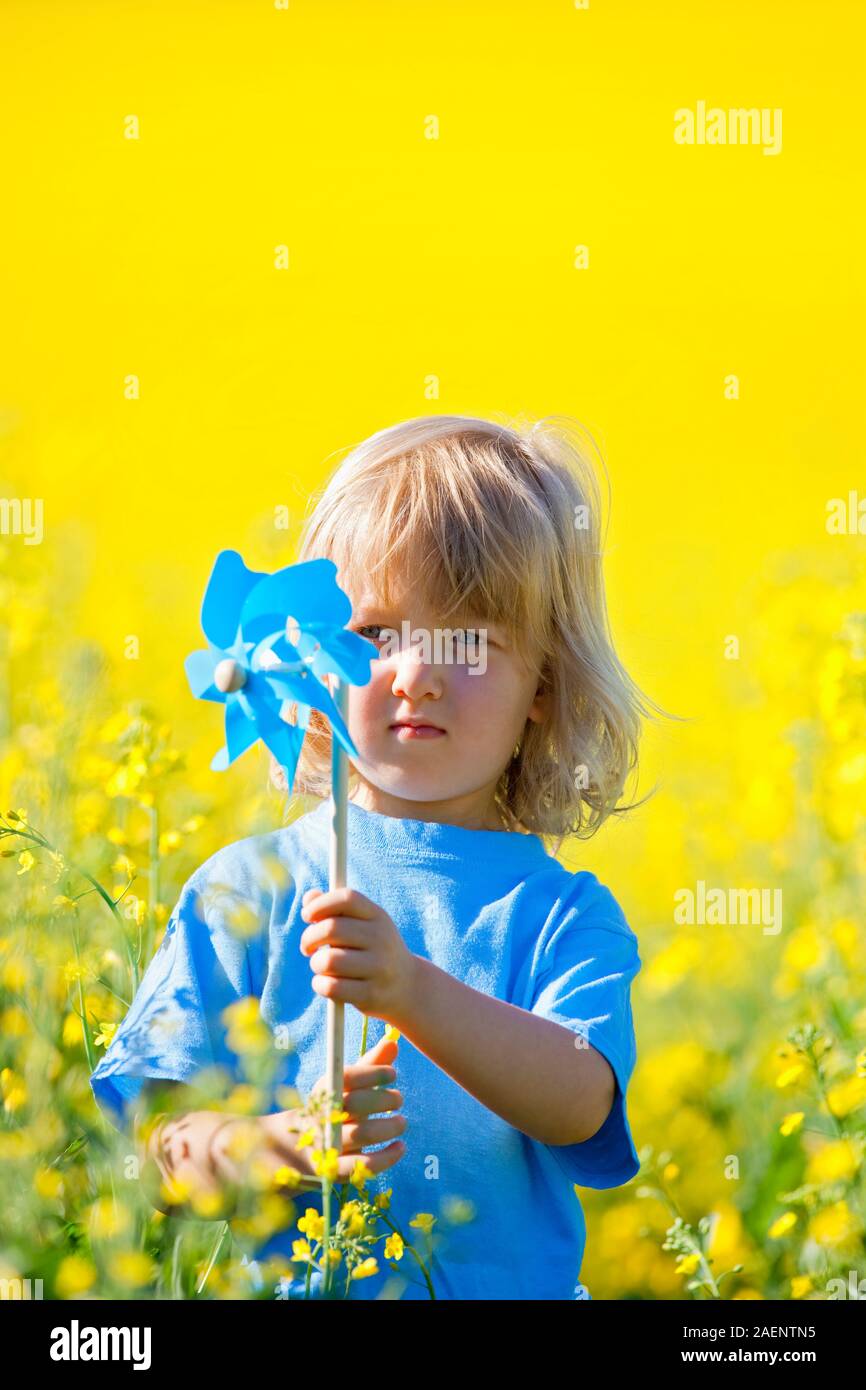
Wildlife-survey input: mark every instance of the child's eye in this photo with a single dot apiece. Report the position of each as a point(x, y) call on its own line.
point(466, 636)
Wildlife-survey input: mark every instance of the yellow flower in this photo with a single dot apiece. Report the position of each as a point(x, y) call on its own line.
point(391, 1034)
point(326, 1165)
point(286, 1177)
point(790, 1075)
point(301, 1250)
point(687, 1264)
point(312, 1223)
point(117, 836)
point(801, 1284)
point(75, 1275)
point(13, 1090)
point(308, 1137)
point(132, 1268)
point(424, 1221)
point(108, 1218)
point(207, 1205)
point(365, 1269)
point(247, 1031)
point(839, 1159)
point(352, 1214)
point(671, 1172)
point(48, 1182)
point(847, 1095)
point(339, 1117)
point(782, 1225)
point(14, 1022)
point(804, 950)
point(15, 975)
point(394, 1247)
point(834, 1225)
point(360, 1174)
point(63, 904)
point(169, 840)
point(382, 1200)
point(73, 972)
point(194, 823)
point(105, 1036)
point(174, 1191)
point(334, 1256)
point(73, 1032)
point(791, 1122)
point(26, 860)
point(59, 863)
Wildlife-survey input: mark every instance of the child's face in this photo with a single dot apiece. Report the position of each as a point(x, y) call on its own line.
point(480, 700)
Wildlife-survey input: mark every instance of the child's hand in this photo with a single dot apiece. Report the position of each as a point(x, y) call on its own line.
point(272, 1140)
point(362, 1101)
point(357, 954)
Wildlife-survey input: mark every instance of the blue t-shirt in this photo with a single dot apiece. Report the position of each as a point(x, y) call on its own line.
point(496, 911)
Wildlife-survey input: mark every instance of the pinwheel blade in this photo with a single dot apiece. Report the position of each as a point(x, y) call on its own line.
point(299, 688)
point(229, 585)
point(307, 592)
point(284, 742)
point(199, 667)
point(241, 731)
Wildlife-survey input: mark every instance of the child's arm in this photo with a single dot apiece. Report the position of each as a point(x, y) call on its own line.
point(540, 1076)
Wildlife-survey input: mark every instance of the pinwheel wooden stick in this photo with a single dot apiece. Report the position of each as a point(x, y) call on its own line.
point(337, 879)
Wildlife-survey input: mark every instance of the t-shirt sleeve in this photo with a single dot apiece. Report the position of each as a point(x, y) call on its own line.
point(582, 981)
point(174, 1029)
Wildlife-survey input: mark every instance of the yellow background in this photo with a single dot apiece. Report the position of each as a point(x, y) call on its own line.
point(409, 257)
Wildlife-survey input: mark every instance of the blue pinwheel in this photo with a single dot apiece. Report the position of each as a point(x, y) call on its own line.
point(271, 637)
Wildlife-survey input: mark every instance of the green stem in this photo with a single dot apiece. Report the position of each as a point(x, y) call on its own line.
point(411, 1248)
point(214, 1256)
point(85, 1024)
point(154, 882)
point(326, 1243)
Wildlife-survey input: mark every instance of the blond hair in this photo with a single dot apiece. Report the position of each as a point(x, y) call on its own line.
point(503, 521)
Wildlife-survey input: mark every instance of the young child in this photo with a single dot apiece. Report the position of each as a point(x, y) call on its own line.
point(497, 721)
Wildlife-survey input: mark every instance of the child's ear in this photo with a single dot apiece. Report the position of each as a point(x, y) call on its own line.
point(540, 707)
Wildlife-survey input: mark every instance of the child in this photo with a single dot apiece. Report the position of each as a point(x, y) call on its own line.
point(510, 723)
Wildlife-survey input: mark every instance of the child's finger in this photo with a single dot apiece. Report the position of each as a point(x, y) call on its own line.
point(376, 1162)
point(335, 931)
point(361, 1077)
point(365, 1101)
point(357, 1134)
point(384, 1050)
point(346, 902)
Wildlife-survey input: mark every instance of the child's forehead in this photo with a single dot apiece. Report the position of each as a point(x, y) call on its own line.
point(404, 598)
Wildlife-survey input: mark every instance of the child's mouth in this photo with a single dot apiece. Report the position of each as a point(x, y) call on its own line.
point(412, 731)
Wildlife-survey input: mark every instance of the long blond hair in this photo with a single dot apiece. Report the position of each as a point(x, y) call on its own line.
point(502, 521)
